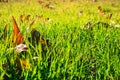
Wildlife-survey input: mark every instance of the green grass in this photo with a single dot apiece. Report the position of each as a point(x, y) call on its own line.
point(76, 51)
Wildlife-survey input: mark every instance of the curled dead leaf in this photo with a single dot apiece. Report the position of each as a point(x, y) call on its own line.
point(21, 47)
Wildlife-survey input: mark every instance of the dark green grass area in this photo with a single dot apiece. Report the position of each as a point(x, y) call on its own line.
point(84, 44)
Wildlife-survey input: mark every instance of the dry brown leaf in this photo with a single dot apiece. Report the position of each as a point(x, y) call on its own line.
point(40, 1)
point(27, 18)
point(100, 10)
point(21, 19)
point(17, 36)
point(109, 16)
point(25, 64)
point(35, 36)
point(49, 6)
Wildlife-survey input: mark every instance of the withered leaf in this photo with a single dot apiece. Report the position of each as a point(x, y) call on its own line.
point(17, 36)
point(35, 36)
point(27, 18)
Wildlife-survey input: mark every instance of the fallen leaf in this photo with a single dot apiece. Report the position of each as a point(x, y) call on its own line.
point(32, 23)
point(27, 18)
point(49, 6)
point(21, 19)
point(25, 64)
point(21, 47)
point(100, 10)
point(39, 16)
point(40, 1)
point(109, 16)
point(35, 36)
point(17, 36)
point(22, 64)
point(94, 0)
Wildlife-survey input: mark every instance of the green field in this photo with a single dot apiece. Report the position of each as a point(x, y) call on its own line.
point(84, 42)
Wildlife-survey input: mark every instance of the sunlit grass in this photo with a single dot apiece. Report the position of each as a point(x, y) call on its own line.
point(76, 51)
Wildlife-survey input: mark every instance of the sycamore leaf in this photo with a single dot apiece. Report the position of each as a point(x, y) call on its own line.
point(17, 36)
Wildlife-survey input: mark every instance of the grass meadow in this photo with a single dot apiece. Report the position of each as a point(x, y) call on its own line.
point(84, 40)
